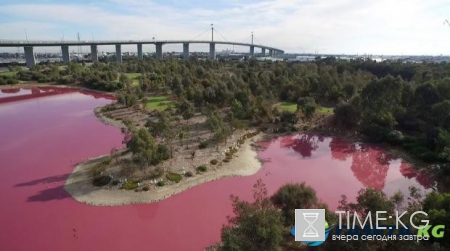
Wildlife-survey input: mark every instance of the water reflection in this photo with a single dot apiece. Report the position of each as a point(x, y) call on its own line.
point(17, 94)
point(304, 144)
point(370, 167)
point(409, 172)
point(340, 149)
point(369, 164)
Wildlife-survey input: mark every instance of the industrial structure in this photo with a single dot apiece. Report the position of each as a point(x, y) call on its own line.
point(31, 60)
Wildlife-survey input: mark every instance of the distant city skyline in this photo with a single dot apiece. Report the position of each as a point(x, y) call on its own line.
point(410, 27)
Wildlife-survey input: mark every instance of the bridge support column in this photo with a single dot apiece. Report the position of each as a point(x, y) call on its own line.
point(271, 53)
point(263, 52)
point(159, 52)
point(252, 51)
point(29, 56)
point(118, 53)
point(186, 50)
point(212, 51)
point(139, 49)
point(65, 54)
point(94, 53)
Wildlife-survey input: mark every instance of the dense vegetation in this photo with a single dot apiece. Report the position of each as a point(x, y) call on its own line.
point(259, 225)
point(403, 104)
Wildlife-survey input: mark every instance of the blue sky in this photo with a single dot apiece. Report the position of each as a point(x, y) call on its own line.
point(324, 26)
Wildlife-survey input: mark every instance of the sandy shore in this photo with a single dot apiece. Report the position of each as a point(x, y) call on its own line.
point(106, 120)
point(80, 187)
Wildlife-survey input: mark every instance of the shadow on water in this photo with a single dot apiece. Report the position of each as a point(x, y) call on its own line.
point(53, 193)
point(54, 188)
point(52, 179)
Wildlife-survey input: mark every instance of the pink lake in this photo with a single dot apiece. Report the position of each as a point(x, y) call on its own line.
point(46, 131)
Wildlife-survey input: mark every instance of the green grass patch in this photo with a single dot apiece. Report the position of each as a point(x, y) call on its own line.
point(133, 75)
point(8, 73)
point(175, 177)
point(288, 106)
point(159, 103)
point(134, 78)
point(325, 110)
point(130, 185)
point(292, 107)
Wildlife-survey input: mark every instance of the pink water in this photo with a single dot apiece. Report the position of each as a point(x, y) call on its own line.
point(44, 136)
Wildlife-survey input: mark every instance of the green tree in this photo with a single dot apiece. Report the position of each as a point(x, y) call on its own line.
point(142, 144)
point(441, 114)
point(347, 115)
point(437, 205)
point(187, 110)
point(294, 196)
point(255, 226)
point(307, 105)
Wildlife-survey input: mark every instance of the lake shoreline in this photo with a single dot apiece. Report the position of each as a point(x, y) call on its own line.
point(79, 183)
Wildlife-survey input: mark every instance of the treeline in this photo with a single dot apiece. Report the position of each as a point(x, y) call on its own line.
point(400, 103)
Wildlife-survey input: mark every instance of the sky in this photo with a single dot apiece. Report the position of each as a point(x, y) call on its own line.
point(395, 27)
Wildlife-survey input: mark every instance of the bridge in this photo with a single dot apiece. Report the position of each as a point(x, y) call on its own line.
point(31, 60)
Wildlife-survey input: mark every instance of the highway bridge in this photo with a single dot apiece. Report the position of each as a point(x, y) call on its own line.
point(31, 60)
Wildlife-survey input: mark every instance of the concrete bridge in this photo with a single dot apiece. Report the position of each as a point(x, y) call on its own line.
point(31, 60)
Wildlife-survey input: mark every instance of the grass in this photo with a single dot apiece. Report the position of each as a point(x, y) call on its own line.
point(159, 103)
point(175, 177)
point(287, 106)
point(325, 110)
point(130, 185)
point(292, 107)
point(134, 77)
point(8, 73)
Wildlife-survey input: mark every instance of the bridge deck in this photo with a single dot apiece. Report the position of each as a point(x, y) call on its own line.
point(18, 43)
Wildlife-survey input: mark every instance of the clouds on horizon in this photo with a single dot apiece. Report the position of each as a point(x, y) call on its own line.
point(331, 26)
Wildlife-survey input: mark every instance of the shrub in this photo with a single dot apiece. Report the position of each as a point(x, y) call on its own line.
point(375, 132)
point(97, 169)
point(214, 162)
point(101, 181)
point(288, 117)
point(162, 153)
point(394, 137)
point(160, 183)
point(189, 174)
point(107, 160)
point(156, 173)
point(130, 185)
point(146, 188)
point(226, 160)
point(203, 145)
point(115, 182)
point(202, 168)
point(175, 177)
